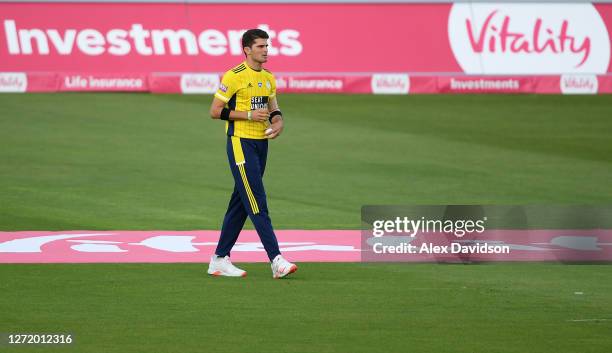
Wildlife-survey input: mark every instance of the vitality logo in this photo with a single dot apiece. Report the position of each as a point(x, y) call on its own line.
point(489, 38)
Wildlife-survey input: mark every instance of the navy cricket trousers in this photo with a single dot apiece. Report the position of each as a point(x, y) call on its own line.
point(247, 159)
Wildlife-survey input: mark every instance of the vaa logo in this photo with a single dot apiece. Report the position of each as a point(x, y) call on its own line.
point(199, 83)
point(493, 38)
point(390, 84)
point(579, 84)
point(13, 82)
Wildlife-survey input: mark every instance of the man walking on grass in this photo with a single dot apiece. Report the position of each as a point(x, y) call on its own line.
point(246, 100)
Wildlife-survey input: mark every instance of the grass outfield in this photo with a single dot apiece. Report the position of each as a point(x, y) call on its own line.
point(140, 161)
point(323, 308)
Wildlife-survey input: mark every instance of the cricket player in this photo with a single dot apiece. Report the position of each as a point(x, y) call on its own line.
point(246, 100)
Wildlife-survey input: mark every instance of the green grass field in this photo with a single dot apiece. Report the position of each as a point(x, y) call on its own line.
point(324, 308)
point(140, 161)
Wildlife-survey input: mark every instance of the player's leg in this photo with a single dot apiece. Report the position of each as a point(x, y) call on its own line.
point(235, 216)
point(232, 224)
point(253, 171)
point(247, 173)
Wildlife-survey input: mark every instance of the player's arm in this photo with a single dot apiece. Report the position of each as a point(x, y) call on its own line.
point(219, 111)
point(276, 119)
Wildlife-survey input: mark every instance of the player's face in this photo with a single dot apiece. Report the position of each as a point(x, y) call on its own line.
point(259, 50)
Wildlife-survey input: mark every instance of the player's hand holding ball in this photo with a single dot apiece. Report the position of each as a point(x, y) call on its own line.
point(275, 129)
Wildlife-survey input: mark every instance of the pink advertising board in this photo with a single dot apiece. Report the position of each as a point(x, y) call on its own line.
point(356, 48)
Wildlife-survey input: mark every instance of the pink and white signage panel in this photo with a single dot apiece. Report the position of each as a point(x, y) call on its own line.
point(136, 46)
point(302, 246)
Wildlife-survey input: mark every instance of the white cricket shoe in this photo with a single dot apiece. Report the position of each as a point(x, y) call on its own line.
point(222, 266)
point(282, 267)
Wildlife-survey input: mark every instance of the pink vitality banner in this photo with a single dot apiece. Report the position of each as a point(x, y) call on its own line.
point(404, 48)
